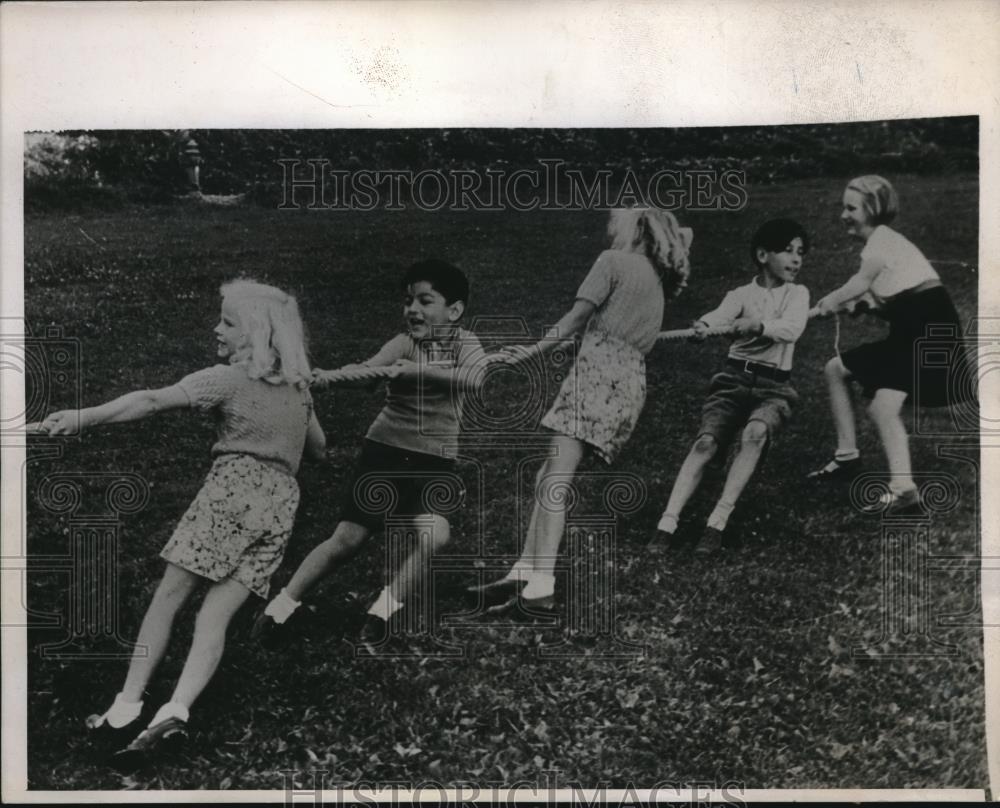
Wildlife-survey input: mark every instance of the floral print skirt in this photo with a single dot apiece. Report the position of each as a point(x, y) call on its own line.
point(601, 398)
point(238, 525)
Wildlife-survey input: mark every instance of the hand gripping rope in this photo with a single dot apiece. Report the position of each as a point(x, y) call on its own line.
point(359, 374)
point(374, 373)
point(720, 331)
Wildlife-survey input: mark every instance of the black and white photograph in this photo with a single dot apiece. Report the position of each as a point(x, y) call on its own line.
point(475, 457)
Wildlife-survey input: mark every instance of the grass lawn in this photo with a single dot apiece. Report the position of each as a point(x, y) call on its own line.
point(735, 670)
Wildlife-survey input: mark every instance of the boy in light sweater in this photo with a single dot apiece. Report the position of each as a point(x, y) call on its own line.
point(752, 393)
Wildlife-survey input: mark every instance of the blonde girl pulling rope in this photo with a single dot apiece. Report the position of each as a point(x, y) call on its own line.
point(618, 309)
point(233, 536)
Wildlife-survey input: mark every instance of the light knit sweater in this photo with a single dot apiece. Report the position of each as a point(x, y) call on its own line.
point(254, 417)
point(628, 295)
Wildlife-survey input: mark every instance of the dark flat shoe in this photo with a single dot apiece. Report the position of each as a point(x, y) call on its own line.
point(101, 734)
point(525, 609)
point(901, 504)
point(664, 542)
point(272, 635)
point(496, 593)
point(836, 470)
point(710, 542)
point(167, 737)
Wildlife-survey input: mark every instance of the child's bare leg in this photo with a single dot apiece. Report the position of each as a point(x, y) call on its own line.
point(534, 540)
point(885, 412)
point(172, 593)
point(752, 443)
point(531, 540)
point(688, 480)
point(222, 601)
point(345, 542)
point(433, 533)
point(841, 406)
point(550, 513)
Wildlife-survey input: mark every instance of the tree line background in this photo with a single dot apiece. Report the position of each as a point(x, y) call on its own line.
point(111, 168)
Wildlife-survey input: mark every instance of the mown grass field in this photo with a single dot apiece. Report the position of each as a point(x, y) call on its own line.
point(746, 670)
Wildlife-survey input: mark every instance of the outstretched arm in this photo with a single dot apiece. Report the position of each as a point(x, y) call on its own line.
point(387, 355)
point(569, 325)
point(857, 285)
point(129, 407)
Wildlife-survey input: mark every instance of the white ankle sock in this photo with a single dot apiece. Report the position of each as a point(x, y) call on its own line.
point(897, 486)
point(521, 571)
point(385, 605)
point(282, 607)
point(172, 709)
point(846, 454)
point(540, 585)
point(122, 712)
point(720, 515)
point(668, 523)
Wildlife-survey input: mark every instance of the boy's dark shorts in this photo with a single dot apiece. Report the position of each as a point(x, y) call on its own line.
point(390, 481)
point(737, 397)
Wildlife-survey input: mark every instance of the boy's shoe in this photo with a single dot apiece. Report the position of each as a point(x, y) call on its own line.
point(836, 470)
point(893, 504)
point(375, 632)
point(710, 542)
point(663, 541)
point(496, 593)
point(166, 737)
point(272, 635)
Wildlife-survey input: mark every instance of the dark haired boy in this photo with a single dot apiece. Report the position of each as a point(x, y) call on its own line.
point(752, 392)
point(404, 466)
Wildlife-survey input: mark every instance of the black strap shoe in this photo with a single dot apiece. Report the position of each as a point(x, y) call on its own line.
point(167, 737)
point(904, 503)
point(837, 470)
point(663, 541)
point(710, 542)
point(105, 738)
point(272, 635)
point(496, 592)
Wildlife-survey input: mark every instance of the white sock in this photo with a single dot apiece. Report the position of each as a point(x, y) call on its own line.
point(540, 585)
point(385, 606)
point(846, 454)
point(172, 709)
point(282, 607)
point(122, 712)
point(902, 485)
point(668, 523)
point(720, 516)
point(521, 571)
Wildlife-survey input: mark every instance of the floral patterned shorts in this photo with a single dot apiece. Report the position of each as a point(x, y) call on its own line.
point(601, 398)
point(238, 525)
